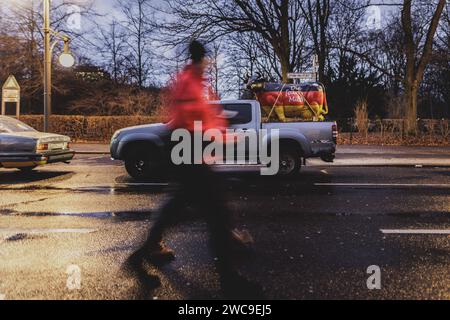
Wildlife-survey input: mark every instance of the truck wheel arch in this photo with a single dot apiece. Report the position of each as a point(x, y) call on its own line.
point(144, 144)
point(288, 137)
point(292, 144)
point(152, 141)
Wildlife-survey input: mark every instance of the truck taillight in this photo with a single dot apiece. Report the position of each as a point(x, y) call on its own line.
point(335, 133)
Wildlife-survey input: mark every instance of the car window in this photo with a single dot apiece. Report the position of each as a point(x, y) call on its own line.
point(10, 125)
point(237, 113)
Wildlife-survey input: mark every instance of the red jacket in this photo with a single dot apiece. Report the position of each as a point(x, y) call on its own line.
point(189, 97)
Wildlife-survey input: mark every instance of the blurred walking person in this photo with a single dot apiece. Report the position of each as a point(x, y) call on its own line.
point(199, 186)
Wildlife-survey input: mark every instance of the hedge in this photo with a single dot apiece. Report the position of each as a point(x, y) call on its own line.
point(88, 128)
point(101, 129)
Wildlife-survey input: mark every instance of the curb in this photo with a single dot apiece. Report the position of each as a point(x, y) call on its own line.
point(92, 152)
point(380, 166)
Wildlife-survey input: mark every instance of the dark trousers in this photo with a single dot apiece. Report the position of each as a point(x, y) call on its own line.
point(201, 188)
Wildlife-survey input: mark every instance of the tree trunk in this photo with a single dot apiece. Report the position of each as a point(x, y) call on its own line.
point(285, 50)
point(322, 61)
point(284, 58)
point(411, 93)
point(285, 68)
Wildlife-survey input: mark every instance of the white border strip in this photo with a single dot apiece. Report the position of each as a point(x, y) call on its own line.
point(416, 231)
point(384, 185)
point(45, 231)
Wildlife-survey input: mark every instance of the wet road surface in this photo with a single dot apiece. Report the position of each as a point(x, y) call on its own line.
point(315, 236)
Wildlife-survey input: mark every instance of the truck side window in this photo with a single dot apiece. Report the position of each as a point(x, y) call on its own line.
point(237, 114)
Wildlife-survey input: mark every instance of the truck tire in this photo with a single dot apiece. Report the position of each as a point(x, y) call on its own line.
point(143, 162)
point(290, 162)
point(27, 169)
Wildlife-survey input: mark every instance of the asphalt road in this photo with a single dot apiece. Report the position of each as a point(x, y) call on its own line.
point(315, 236)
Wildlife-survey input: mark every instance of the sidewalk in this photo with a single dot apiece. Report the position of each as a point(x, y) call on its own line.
point(395, 156)
point(90, 148)
point(347, 155)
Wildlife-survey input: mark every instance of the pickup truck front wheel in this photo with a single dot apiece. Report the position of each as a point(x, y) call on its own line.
point(142, 164)
point(290, 163)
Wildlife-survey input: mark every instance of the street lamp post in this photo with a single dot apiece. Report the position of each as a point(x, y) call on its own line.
point(47, 67)
point(66, 60)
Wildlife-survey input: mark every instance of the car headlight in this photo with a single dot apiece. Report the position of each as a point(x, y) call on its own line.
point(41, 147)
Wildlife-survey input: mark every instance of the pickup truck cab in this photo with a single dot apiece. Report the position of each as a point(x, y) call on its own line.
point(142, 147)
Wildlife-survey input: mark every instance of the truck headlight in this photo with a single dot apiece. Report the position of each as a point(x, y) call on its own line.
point(116, 135)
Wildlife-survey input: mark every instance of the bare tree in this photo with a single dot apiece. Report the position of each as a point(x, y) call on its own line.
point(137, 22)
point(403, 51)
point(417, 55)
point(24, 29)
point(277, 22)
point(111, 43)
point(214, 69)
point(317, 14)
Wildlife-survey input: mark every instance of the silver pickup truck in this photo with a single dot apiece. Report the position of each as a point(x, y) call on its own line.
point(141, 147)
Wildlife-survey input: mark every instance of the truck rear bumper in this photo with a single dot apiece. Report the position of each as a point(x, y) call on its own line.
point(328, 157)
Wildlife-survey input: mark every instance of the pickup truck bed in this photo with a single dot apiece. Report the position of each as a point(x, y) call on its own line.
point(319, 137)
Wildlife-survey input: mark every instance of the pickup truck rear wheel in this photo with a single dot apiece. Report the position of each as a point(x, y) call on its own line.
point(290, 163)
point(27, 169)
point(141, 163)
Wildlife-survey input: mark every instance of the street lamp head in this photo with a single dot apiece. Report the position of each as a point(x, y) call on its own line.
point(66, 60)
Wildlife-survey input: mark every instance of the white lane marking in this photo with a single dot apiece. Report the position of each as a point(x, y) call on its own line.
point(120, 185)
point(384, 185)
point(142, 184)
point(416, 231)
point(400, 185)
point(86, 188)
point(45, 231)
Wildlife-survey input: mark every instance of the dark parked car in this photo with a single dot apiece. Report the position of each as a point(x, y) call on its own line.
point(25, 148)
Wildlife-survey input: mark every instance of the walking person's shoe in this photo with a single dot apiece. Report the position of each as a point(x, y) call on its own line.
point(243, 237)
point(241, 243)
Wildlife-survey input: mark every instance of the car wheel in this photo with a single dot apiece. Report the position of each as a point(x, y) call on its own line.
point(290, 163)
point(27, 169)
point(142, 164)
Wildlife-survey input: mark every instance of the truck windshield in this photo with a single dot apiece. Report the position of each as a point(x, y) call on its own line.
point(10, 125)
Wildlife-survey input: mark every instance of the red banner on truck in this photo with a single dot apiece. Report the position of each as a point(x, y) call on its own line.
point(305, 102)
